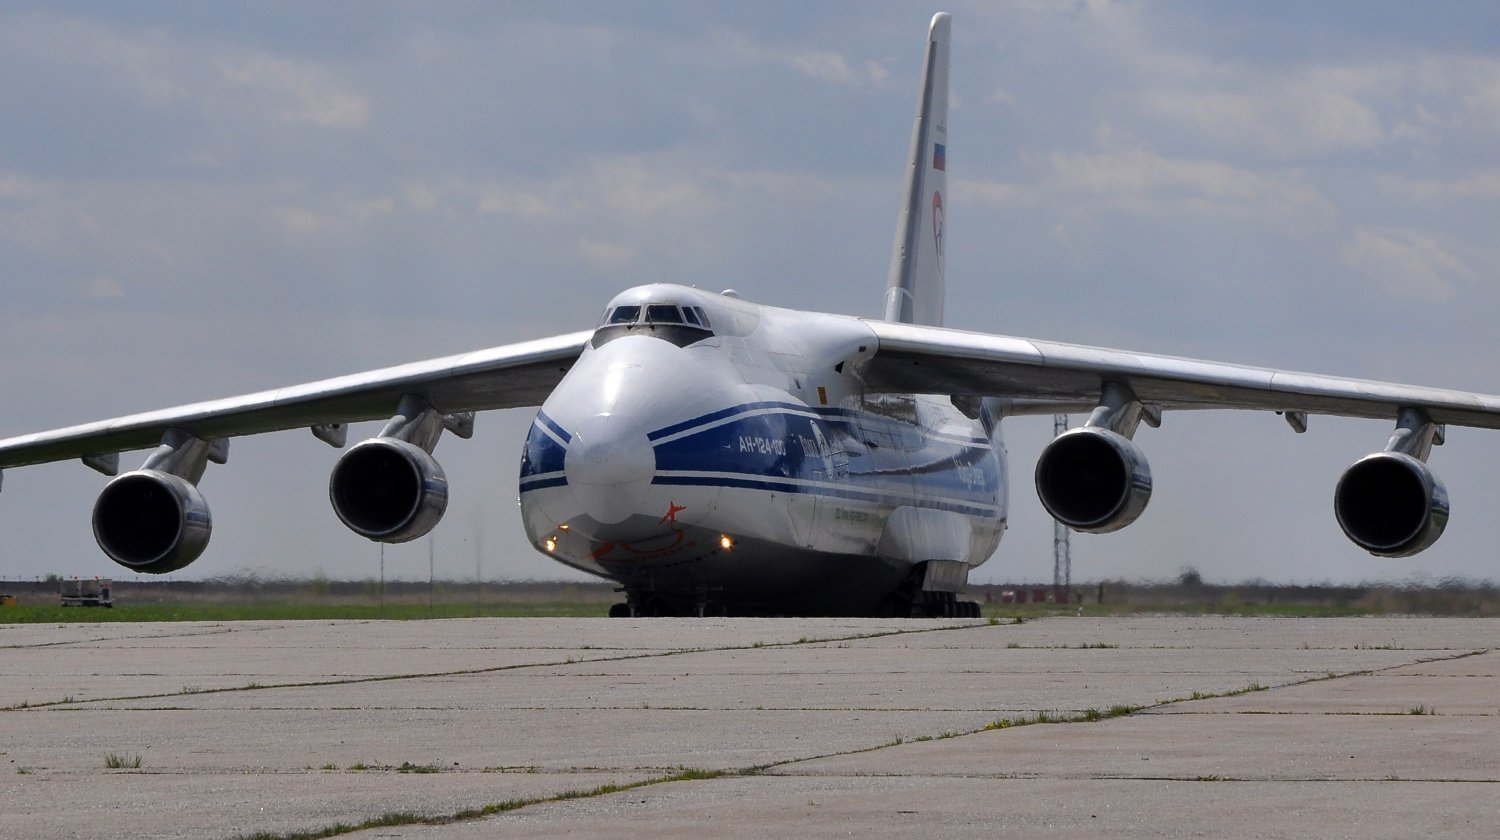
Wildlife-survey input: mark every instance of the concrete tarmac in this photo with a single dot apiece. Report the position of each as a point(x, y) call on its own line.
point(1108, 727)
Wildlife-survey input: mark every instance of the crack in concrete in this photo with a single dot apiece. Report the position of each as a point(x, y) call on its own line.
point(52, 704)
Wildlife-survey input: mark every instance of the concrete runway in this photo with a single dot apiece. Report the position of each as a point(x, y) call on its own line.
point(796, 728)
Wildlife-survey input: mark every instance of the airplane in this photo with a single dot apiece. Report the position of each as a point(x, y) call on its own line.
point(712, 455)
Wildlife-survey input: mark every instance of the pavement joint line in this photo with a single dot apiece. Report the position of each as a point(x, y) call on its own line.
point(208, 631)
point(399, 818)
point(69, 701)
point(1125, 710)
point(395, 819)
point(1121, 777)
point(685, 774)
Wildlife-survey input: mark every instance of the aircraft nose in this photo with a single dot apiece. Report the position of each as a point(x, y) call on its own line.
point(609, 466)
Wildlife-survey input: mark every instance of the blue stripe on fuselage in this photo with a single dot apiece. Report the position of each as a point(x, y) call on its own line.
point(791, 447)
point(541, 417)
point(542, 453)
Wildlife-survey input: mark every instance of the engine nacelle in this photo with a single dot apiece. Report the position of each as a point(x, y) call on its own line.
point(1093, 480)
point(1391, 505)
point(152, 522)
point(388, 490)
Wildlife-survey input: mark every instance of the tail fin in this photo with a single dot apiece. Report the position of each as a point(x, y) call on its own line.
point(914, 292)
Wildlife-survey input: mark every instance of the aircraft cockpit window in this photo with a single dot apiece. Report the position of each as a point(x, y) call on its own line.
point(625, 314)
point(663, 313)
point(681, 326)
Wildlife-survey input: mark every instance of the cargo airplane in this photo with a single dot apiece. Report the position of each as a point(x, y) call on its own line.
point(717, 456)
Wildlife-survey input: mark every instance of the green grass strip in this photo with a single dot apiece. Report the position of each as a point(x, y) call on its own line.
point(399, 818)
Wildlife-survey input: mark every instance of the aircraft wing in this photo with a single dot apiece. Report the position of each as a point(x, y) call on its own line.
point(508, 376)
point(935, 360)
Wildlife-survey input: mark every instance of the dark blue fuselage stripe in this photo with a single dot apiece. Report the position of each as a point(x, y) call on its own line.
point(823, 411)
point(542, 418)
point(788, 487)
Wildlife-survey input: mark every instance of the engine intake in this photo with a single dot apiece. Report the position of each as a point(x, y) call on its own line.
point(388, 490)
point(1093, 480)
point(1391, 505)
point(152, 522)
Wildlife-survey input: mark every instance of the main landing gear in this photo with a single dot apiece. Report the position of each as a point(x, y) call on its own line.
point(942, 605)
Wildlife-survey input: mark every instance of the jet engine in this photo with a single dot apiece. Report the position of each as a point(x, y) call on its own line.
point(389, 490)
point(1391, 505)
point(1093, 480)
point(152, 522)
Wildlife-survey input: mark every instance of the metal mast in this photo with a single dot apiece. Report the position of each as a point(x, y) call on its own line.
point(1062, 556)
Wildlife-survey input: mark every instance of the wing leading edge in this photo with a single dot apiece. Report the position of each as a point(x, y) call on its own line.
point(921, 359)
point(508, 376)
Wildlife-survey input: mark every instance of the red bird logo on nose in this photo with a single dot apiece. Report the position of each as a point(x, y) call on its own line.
point(672, 510)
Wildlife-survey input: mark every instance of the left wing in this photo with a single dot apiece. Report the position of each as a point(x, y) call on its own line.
point(1095, 479)
point(508, 376)
point(921, 359)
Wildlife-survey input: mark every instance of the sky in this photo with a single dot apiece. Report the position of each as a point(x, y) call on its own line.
point(201, 200)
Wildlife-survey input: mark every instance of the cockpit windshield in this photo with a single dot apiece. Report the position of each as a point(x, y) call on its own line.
point(663, 313)
point(680, 325)
point(624, 315)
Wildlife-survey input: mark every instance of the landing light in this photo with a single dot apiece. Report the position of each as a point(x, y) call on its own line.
point(550, 544)
point(725, 542)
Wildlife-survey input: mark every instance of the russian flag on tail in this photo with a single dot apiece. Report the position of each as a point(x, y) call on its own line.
point(939, 157)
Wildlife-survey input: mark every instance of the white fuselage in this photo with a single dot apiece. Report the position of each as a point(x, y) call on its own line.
point(705, 449)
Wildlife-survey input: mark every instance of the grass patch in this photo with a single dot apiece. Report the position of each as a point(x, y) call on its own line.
point(400, 818)
point(120, 762)
point(1085, 716)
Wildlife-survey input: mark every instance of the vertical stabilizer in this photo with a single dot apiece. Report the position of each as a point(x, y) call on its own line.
point(914, 293)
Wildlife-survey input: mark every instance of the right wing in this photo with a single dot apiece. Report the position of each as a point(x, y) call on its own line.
point(508, 376)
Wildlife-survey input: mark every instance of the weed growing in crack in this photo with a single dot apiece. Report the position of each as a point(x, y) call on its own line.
point(120, 762)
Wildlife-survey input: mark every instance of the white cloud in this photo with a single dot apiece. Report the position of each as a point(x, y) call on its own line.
point(295, 91)
point(823, 65)
point(104, 288)
point(139, 61)
point(606, 256)
point(1407, 264)
point(301, 222)
point(1308, 112)
point(158, 70)
point(1483, 183)
point(1482, 100)
point(504, 200)
point(1140, 181)
point(638, 187)
point(993, 193)
point(21, 188)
